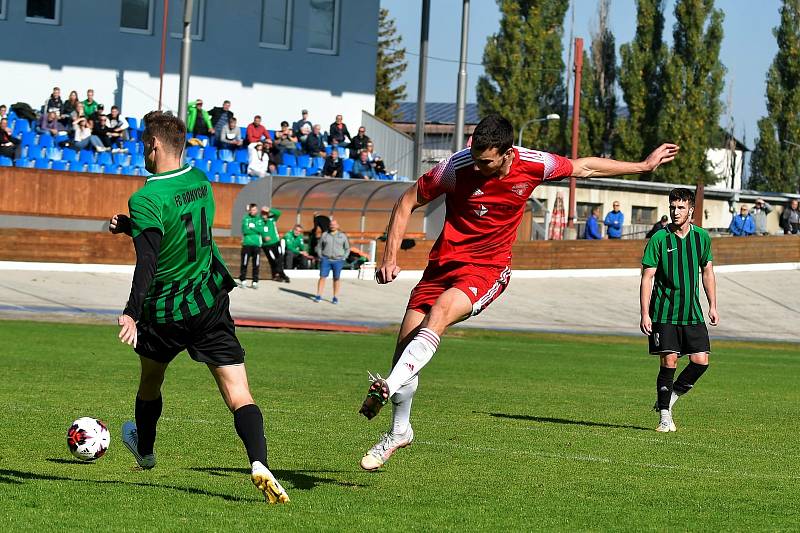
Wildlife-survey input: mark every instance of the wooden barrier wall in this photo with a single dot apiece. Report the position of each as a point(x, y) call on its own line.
point(94, 247)
point(28, 191)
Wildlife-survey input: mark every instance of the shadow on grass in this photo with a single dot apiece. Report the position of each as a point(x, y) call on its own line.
point(302, 294)
point(549, 420)
point(17, 477)
point(300, 479)
point(63, 461)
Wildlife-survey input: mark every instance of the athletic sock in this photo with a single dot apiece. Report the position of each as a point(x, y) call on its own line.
point(416, 355)
point(250, 427)
point(401, 406)
point(674, 397)
point(147, 415)
point(664, 386)
point(689, 377)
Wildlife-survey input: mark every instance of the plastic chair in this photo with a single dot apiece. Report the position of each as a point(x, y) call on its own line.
point(129, 171)
point(193, 152)
point(53, 154)
point(217, 167)
point(319, 162)
point(69, 155)
point(132, 123)
point(60, 165)
point(28, 137)
point(209, 152)
point(225, 155)
point(303, 161)
point(243, 179)
point(6, 161)
point(226, 178)
point(200, 164)
point(283, 170)
point(298, 171)
point(202, 138)
point(104, 158)
point(45, 140)
point(94, 168)
point(242, 156)
point(86, 157)
point(347, 165)
point(22, 163)
point(289, 160)
point(121, 159)
point(131, 147)
point(137, 161)
point(21, 126)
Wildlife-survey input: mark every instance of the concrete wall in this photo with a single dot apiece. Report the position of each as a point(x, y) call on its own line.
point(88, 50)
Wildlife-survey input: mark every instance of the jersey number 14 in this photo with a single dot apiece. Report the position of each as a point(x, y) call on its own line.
point(191, 239)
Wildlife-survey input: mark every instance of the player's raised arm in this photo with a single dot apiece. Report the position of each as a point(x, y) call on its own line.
point(406, 204)
point(600, 167)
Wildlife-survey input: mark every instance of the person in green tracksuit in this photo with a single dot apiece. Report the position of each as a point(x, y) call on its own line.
point(296, 254)
point(198, 121)
point(271, 242)
point(252, 230)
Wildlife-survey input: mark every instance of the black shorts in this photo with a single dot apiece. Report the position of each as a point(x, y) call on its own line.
point(208, 337)
point(683, 340)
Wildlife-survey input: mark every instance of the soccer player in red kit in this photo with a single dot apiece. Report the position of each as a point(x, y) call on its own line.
point(486, 188)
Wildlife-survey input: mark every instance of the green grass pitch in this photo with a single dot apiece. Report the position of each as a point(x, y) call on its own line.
point(513, 431)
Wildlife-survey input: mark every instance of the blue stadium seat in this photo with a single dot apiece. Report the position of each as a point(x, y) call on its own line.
point(297, 171)
point(283, 170)
point(76, 167)
point(242, 156)
point(209, 152)
point(121, 159)
point(272, 134)
point(131, 147)
point(243, 131)
point(12, 116)
point(104, 158)
point(22, 163)
point(217, 167)
point(60, 165)
point(69, 155)
point(201, 164)
point(116, 169)
point(53, 154)
point(129, 171)
point(202, 138)
point(21, 126)
point(41, 163)
point(6, 161)
point(289, 160)
point(226, 178)
point(86, 156)
point(243, 179)
point(225, 155)
point(32, 152)
point(347, 165)
point(27, 137)
point(193, 152)
point(345, 175)
point(137, 161)
point(94, 168)
point(303, 161)
point(132, 123)
point(45, 140)
point(328, 149)
point(319, 162)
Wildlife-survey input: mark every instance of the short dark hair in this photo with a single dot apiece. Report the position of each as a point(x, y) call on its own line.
point(251, 206)
point(494, 131)
point(167, 128)
point(682, 193)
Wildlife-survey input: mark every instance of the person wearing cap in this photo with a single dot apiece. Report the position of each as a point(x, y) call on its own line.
point(742, 224)
point(759, 212)
point(658, 226)
point(299, 125)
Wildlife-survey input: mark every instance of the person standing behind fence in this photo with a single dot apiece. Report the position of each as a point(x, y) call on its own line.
point(759, 213)
point(271, 242)
point(742, 224)
point(251, 244)
point(332, 250)
point(614, 220)
point(790, 218)
point(592, 231)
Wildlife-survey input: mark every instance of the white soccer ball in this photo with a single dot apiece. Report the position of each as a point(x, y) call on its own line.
point(88, 438)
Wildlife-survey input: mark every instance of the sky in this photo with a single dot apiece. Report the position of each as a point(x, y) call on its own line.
point(748, 47)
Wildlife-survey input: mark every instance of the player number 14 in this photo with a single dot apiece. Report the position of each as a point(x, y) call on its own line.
point(191, 240)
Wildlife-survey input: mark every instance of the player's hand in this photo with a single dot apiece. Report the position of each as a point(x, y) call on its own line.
point(713, 316)
point(663, 154)
point(119, 224)
point(128, 334)
point(387, 272)
point(646, 325)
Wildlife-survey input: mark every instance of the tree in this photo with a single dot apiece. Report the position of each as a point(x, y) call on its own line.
point(775, 163)
point(693, 83)
point(600, 94)
point(390, 67)
point(641, 81)
point(524, 68)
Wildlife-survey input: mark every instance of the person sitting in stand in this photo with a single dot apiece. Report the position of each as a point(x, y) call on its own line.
point(117, 126)
point(286, 141)
point(84, 137)
point(333, 167)
point(231, 136)
point(65, 115)
point(362, 170)
point(258, 161)
point(198, 121)
point(296, 254)
point(314, 145)
point(256, 132)
point(359, 143)
point(53, 102)
point(338, 132)
point(49, 123)
point(9, 145)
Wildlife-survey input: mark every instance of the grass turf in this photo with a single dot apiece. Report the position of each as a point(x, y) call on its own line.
point(513, 431)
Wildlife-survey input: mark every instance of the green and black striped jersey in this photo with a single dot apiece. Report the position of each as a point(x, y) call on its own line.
point(675, 297)
point(190, 271)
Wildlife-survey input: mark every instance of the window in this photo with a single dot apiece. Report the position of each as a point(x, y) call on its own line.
point(584, 209)
point(276, 24)
point(176, 19)
point(2, 9)
point(643, 215)
point(43, 11)
point(136, 16)
point(323, 27)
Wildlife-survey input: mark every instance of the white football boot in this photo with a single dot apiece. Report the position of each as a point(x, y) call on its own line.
point(666, 423)
point(131, 441)
point(377, 456)
point(266, 483)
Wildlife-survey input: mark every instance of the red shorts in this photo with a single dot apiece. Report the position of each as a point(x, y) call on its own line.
point(482, 284)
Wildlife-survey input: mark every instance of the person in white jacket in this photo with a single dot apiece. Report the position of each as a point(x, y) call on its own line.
point(258, 164)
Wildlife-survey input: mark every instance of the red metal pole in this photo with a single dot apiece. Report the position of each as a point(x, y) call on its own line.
point(163, 53)
point(698, 204)
point(576, 120)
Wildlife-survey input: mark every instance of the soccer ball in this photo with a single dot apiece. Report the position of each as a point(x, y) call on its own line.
point(88, 438)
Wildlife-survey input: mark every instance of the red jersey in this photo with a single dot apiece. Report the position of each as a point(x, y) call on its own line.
point(483, 213)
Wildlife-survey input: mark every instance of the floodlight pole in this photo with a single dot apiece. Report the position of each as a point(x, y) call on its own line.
point(419, 134)
point(461, 91)
point(576, 120)
point(163, 54)
point(186, 58)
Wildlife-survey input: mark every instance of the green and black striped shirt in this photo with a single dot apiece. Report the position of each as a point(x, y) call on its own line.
point(675, 297)
point(190, 272)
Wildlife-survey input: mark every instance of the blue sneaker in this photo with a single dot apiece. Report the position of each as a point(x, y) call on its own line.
point(335, 300)
point(317, 298)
